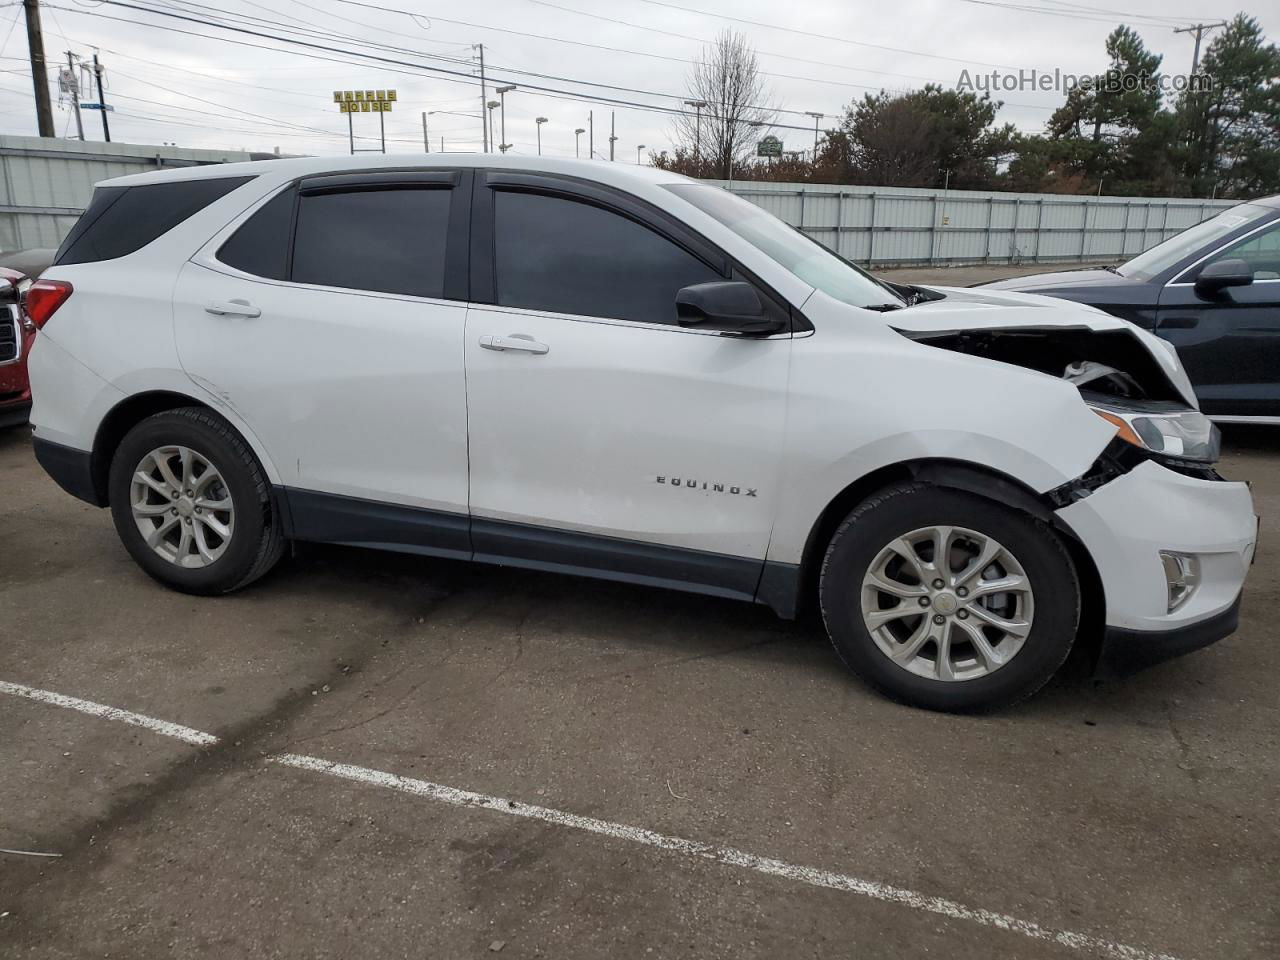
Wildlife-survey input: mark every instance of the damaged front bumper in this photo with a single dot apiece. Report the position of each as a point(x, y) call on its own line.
point(1128, 522)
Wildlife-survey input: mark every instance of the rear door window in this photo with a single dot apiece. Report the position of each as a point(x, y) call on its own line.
point(389, 240)
point(120, 220)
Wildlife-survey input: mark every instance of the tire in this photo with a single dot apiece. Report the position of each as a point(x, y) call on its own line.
point(871, 626)
point(235, 498)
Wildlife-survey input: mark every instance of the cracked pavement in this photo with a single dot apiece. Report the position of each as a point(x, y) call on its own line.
point(1140, 810)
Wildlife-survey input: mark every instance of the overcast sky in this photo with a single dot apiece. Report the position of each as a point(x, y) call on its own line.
point(168, 86)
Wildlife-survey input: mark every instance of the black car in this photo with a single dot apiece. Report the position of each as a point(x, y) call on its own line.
point(1214, 292)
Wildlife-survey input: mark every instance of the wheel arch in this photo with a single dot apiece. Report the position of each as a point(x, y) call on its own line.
point(135, 408)
point(973, 478)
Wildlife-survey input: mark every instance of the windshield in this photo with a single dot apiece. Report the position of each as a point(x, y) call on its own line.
point(1164, 255)
point(805, 257)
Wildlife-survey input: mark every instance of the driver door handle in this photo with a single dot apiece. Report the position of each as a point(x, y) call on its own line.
point(517, 341)
point(232, 308)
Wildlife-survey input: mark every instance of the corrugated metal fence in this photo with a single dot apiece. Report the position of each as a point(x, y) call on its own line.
point(886, 226)
point(45, 183)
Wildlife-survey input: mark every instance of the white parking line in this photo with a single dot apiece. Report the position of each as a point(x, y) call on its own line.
point(619, 831)
point(195, 737)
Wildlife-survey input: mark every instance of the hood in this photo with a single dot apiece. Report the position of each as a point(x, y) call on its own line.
point(1057, 337)
point(1088, 277)
point(970, 308)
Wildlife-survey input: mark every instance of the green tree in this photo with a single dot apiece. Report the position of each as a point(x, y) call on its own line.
point(1107, 129)
point(914, 139)
point(1230, 133)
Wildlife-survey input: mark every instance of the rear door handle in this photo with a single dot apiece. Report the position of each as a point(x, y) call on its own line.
point(517, 341)
point(232, 308)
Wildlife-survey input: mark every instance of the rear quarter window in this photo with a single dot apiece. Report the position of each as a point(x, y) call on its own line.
point(120, 220)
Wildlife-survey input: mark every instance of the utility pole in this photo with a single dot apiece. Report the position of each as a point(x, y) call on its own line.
point(816, 118)
point(102, 103)
point(577, 141)
point(538, 122)
point(39, 74)
point(1199, 29)
point(612, 138)
point(73, 81)
point(426, 143)
point(486, 133)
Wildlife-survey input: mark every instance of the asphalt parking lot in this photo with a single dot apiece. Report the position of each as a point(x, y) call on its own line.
point(539, 766)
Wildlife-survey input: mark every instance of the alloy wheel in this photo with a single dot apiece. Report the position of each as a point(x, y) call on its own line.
point(947, 603)
point(182, 506)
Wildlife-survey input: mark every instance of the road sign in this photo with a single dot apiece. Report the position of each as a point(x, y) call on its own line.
point(97, 106)
point(769, 146)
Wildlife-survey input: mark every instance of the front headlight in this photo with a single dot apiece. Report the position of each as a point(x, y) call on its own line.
point(1163, 429)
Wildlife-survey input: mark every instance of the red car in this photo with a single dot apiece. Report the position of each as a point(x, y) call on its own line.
point(16, 336)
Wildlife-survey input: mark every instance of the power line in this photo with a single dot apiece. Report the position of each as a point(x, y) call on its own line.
point(703, 40)
point(1115, 13)
point(458, 76)
point(1072, 14)
point(816, 36)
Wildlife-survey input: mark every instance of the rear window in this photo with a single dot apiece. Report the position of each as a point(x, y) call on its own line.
point(120, 220)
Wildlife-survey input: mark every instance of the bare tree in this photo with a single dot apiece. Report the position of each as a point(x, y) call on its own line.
point(727, 110)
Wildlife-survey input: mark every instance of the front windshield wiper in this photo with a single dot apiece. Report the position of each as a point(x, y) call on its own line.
point(1110, 269)
point(883, 307)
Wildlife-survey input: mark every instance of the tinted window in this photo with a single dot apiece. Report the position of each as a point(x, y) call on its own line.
point(1193, 240)
point(1261, 252)
point(120, 220)
point(568, 257)
point(388, 240)
point(261, 245)
point(809, 260)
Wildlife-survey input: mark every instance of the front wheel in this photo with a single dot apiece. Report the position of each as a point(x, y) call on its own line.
point(948, 601)
point(191, 503)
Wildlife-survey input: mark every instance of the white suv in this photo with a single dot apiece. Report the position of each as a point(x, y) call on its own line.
point(614, 371)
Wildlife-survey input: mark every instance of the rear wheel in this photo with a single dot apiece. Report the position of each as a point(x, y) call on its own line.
point(191, 503)
point(946, 600)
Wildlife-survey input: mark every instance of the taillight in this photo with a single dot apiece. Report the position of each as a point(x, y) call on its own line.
point(44, 297)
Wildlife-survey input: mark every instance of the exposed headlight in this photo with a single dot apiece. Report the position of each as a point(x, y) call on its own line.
point(1163, 429)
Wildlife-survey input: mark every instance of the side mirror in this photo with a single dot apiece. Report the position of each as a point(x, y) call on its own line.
point(730, 306)
point(1224, 273)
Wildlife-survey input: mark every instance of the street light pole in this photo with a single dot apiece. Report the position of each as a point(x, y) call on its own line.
point(697, 136)
point(816, 118)
point(426, 141)
point(538, 122)
point(577, 141)
point(502, 113)
point(492, 105)
point(591, 135)
point(612, 134)
point(639, 147)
